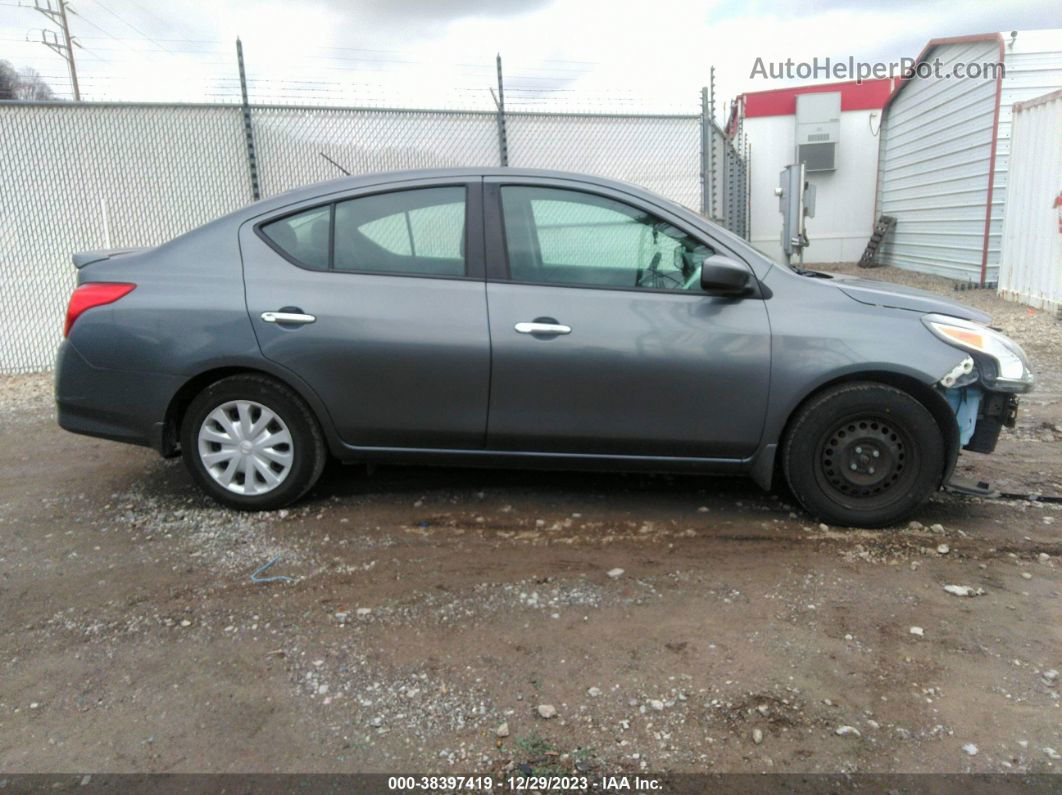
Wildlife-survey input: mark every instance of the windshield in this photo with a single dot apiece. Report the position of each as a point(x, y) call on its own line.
point(741, 243)
point(737, 242)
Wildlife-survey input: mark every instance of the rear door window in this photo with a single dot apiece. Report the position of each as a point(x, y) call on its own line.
point(409, 232)
point(412, 231)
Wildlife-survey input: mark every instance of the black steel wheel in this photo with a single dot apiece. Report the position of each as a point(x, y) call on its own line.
point(863, 454)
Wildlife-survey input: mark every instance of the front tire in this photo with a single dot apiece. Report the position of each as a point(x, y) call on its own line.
point(863, 454)
point(251, 443)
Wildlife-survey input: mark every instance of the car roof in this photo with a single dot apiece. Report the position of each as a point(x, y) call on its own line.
point(325, 191)
point(322, 189)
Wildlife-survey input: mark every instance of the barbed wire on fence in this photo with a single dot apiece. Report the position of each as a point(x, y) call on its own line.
point(115, 66)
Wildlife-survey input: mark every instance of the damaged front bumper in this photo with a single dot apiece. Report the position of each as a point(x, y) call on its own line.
point(983, 388)
point(981, 412)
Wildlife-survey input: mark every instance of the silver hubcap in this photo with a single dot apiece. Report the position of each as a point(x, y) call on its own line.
point(246, 447)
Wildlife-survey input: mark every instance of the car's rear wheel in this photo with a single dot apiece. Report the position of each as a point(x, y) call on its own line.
point(252, 443)
point(863, 454)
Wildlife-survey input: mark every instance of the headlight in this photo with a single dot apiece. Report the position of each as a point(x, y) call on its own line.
point(1007, 368)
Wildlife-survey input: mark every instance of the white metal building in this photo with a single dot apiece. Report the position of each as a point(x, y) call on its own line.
point(844, 201)
point(945, 150)
point(1030, 267)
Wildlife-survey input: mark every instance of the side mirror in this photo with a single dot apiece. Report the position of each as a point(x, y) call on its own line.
point(721, 274)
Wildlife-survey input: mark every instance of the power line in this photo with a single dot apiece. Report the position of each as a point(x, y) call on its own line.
point(151, 13)
point(109, 35)
point(128, 24)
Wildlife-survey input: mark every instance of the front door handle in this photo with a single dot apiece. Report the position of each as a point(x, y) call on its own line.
point(293, 318)
point(537, 327)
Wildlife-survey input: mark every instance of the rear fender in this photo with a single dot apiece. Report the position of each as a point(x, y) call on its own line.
point(168, 429)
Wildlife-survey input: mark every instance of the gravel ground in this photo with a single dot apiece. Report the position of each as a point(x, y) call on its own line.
point(482, 621)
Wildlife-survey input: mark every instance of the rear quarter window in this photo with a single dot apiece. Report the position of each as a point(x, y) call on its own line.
point(304, 237)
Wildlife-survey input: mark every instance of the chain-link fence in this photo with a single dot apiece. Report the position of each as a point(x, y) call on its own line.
point(661, 153)
point(83, 177)
point(86, 176)
point(290, 141)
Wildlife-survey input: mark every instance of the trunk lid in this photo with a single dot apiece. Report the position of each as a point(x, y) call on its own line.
point(83, 258)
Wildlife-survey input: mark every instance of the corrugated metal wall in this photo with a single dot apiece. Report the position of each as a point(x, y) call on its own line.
point(935, 152)
point(936, 148)
point(1033, 62)
point(1030, 268)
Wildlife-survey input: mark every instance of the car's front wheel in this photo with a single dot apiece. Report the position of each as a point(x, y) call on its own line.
point(863, 454)
point(252, 443)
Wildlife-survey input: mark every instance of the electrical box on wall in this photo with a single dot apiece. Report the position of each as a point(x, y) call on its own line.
point(818, 121)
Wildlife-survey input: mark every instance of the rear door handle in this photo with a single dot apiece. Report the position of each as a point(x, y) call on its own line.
point(293, 318)
point(535, 327)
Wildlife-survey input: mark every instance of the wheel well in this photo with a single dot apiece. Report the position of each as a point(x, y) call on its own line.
point(171, 431)
point(933, 401)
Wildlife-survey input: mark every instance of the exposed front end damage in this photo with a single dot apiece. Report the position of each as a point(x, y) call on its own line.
point(980, 412)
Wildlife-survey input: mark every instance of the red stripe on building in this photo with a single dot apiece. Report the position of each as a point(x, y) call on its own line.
point(868, 95)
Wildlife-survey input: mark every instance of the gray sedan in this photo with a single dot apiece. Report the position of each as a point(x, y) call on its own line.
point(505, 317)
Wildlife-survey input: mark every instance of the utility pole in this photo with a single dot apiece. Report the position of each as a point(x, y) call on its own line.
point(49, 39)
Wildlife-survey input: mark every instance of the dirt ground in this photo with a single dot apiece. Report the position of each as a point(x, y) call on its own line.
point(671, 623)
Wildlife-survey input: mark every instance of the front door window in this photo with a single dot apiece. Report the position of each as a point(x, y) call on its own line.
point(567, 237)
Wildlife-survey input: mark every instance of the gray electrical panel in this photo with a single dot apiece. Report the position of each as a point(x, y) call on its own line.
point(818, 121)
point(796, 202)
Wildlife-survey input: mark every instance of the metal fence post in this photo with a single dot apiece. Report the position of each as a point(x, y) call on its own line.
point(744, 185)
point(727, 167)
point(252, 161)
point(705, 122)
point(503, 140)
point(748, 188)
point(710, 160)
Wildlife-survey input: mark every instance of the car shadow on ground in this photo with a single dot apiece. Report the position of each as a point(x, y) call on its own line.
point(349, 480)
point(736, 498)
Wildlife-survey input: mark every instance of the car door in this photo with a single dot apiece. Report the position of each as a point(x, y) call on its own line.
point(604, 341)
point(376, 299)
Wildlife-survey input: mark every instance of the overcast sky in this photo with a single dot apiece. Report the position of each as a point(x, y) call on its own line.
point(572, 54)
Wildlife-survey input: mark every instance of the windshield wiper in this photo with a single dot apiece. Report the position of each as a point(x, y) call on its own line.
point(810, 273)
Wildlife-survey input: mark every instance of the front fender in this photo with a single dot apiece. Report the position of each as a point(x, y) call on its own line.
point(821, 337)
point(762, 465)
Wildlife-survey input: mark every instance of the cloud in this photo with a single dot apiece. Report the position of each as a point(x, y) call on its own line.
point(415, 11)
point(587, 55)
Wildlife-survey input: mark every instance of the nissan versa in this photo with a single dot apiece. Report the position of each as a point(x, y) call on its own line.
point(507, 317)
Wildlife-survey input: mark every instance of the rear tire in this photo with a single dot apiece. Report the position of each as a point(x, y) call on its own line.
point(251, 443)
point(863, 454)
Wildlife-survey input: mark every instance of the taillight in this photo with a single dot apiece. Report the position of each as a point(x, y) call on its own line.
point(94, 294)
